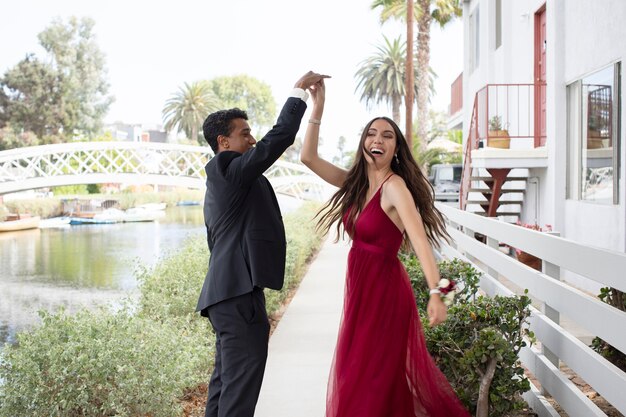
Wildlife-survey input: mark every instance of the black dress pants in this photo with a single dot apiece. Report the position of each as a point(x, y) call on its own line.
point(241, 336)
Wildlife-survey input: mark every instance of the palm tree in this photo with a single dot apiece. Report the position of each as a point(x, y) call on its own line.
point(442, 12)
point(187, 108)
point(381, 76)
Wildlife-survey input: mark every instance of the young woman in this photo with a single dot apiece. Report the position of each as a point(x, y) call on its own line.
point(381, 366)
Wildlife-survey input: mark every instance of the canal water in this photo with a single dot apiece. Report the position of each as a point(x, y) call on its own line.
point(85, 266)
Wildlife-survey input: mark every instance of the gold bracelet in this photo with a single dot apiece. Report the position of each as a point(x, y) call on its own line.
point(315, 121)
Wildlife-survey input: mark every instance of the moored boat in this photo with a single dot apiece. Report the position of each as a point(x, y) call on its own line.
point(22, 223)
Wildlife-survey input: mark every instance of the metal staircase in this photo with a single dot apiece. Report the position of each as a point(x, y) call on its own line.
point(495, 193)
point(497, 188)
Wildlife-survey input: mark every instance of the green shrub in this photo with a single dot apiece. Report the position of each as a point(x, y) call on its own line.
point(78, 189)
point(476, 334)
point(303, 241)
point(617, 299)
point(481, 334)
point(466, 277)
point(44, 207)
point(101, 364)
point(140, 360)
point(128, 199)
point(171, 289)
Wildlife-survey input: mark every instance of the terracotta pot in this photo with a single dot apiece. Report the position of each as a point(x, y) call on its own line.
point(529, 260)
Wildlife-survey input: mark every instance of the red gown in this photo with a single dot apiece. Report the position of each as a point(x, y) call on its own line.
point(381, 366)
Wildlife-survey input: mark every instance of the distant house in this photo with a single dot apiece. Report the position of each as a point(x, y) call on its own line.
point(136, 133)
point(542, 113)
point(125, 132)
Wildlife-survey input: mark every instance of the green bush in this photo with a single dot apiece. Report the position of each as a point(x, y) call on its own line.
point(128, 199)
point(475, 335)
point(303, 241)
point(44, 207)
point(462, 273)
point(481, 334)
point(78, 189)
point(101, 364)
point(617, 299)
point(140, 360)
point(171, 289)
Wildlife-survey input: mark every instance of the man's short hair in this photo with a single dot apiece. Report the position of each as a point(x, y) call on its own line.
point(219, 123)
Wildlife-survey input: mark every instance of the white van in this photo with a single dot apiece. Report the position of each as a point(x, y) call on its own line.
point(446, 180)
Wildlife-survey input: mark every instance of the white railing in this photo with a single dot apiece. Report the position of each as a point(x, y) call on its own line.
point(556, 297)
point(134, 163)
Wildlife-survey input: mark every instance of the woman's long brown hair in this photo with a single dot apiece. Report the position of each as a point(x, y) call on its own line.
point(349, 200)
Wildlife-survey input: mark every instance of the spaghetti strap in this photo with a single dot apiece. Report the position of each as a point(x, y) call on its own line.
point(389, 176)
point(385, 180)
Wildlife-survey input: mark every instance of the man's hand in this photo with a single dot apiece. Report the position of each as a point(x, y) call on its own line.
point(308, 79)
point(437, 310)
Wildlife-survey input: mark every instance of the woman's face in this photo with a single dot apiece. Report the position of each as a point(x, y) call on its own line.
point(380, 141)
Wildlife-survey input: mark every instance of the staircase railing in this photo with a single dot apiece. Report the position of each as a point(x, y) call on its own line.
point(470, 144)
point(503, 110)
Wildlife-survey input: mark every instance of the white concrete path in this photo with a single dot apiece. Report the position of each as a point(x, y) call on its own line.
point(302, 346)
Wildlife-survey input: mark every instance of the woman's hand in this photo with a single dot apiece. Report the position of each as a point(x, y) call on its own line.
point(437, 310)
point(318, 92)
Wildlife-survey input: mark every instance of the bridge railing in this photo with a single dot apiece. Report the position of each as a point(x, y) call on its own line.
point(134, 163)
point(554, 297)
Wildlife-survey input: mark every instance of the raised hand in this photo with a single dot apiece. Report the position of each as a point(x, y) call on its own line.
point(318, 92)
point(309, 79)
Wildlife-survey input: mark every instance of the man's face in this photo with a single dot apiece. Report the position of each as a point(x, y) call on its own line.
point(241, 139)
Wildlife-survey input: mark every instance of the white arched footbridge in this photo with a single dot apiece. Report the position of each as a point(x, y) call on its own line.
point(134, 163)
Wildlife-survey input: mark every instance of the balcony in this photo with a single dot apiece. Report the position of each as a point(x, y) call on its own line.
point(507, 131)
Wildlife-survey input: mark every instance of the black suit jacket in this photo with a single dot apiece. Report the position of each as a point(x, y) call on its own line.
point(245, 230)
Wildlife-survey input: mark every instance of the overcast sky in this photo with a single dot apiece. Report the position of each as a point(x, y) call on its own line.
point(153, 47)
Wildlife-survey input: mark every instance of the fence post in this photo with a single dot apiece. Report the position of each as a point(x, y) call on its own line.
point(553, 271)
point(471, 234)
point(494, 244)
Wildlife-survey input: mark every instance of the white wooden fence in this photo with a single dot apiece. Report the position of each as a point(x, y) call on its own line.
point(558, 346)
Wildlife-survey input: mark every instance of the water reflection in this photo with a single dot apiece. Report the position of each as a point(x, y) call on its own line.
point(86, 266)
point(82, 266)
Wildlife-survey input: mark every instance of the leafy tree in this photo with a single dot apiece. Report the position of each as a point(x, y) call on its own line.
point(381, 76)
point(249, 94)
point(292, 153)
point(343, 158)
point(9, 139)
point(188, 107)
point(81, 64)
point(64, 94)
point(442, 12)
point(33, 98)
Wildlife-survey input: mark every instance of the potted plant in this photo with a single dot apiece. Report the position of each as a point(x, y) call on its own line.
point(525, 257)
point(497, 136)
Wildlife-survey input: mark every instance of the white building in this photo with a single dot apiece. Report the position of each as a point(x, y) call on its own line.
point(550, 71)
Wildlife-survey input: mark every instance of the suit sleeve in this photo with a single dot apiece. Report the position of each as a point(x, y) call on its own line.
point(252, 164)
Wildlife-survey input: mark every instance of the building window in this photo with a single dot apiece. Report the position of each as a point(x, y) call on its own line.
point(593, 136)
point(474, 39)
point(498, 23)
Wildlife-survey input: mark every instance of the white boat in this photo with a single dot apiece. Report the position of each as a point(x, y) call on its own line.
point(54, 222)
point(141, 215)
point(20, 224)
point(110, 215)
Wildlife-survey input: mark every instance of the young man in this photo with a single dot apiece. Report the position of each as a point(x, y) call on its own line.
point(246, 238)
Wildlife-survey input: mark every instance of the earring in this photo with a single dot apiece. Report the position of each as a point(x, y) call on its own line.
point(397, 160)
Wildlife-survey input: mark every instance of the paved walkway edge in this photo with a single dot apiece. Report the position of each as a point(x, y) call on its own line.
point(302, 346)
